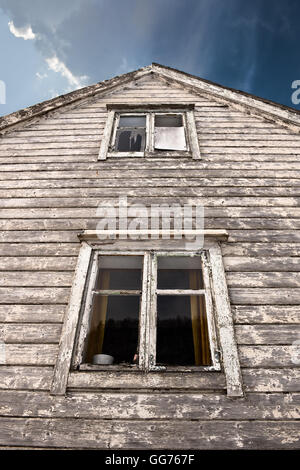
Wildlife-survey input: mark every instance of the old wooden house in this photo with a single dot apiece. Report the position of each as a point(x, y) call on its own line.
point(198, 324)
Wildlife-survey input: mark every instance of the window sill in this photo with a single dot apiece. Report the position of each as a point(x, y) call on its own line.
point(157, 154)
point(135, 368)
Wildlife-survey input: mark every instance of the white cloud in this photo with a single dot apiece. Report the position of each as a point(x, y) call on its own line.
point(40, 76)
point(55, 64)
point(25, 32)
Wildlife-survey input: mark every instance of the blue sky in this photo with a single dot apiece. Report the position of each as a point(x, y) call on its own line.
point(48, 48)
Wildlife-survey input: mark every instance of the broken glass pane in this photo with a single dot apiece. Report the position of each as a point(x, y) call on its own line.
point(169, 138)
point(130, 140)
point(168, 120)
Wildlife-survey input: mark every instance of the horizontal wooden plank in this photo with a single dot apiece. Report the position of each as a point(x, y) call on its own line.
point(38, 237)
point(39, 249)
point(28, 263)
point(282, 314)
point(234, 196)
point(100, 211)
point(81, 157)
point(261, 249)
point(34, 295)
point(149, 176)
point(264, 236)
point(25, 377)
point(30, 333)
point(186, 167)
point(152, 434)
point(140, 380)
point(261, 296)
point(267, 334)
point(243, 264)
point(281, 205)
point(149, 406)
point(265, 279)
point(38, 354)
point(269, 356)
point(79, 224)
point(31, 313)
point(271, 380)
point(30, 354)
point(36, 279)
point(60, 181)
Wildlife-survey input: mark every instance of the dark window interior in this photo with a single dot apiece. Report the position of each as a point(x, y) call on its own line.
point(131, 134)
point(168, 120)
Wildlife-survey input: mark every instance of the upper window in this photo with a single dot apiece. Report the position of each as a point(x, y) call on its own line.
point(150, 132)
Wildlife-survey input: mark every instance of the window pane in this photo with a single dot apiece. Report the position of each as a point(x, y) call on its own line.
point(179, 272)
point(132, 121)
point(182, 333)
point(169, 138)
point(168, 120)
point(130, 140)
point(114, 328)
point(120, 272)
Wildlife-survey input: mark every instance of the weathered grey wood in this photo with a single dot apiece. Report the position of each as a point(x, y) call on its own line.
point(49, 263)
point(34, 295)
point(248, 180)
point(271, 380)
point(63, 362)
point(30, 354)
point(192, 174)
point(267, 334)
point(31, 313)
point(36, 279)
point(40, 249)
point(281, 314)
point(30, 333)
point(225, 325)
point(25, 378)
point(269, 356)
point(260, 296)
point(140, 380)
point(270, 279)
point(241, 264)
point(172, 406)
point(261, 249)
point(152, 434)
point(284, 205)
point(105, 141)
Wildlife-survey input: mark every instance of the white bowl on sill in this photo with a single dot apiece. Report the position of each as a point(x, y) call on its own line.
point(103, 359)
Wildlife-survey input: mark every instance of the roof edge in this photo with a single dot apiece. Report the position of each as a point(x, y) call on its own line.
point(266, 108)
point(43, 107)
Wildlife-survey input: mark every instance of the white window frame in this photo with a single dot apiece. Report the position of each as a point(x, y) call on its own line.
point(148, 311)
point(221, 322)
point(109, 135)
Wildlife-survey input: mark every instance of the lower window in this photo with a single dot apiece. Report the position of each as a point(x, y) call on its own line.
point(148, 310)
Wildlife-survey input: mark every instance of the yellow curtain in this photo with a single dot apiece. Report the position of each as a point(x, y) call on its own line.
point(199, 322)
point(97, 327)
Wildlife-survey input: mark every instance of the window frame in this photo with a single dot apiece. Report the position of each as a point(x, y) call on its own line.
point(150, 110)
point(148, 312)
point(90, 242)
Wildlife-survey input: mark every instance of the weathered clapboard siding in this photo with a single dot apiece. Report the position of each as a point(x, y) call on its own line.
point(152, 434)
point(51, 184)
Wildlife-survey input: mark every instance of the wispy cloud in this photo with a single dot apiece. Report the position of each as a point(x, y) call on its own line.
point(24, 32)
point(58, 66)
